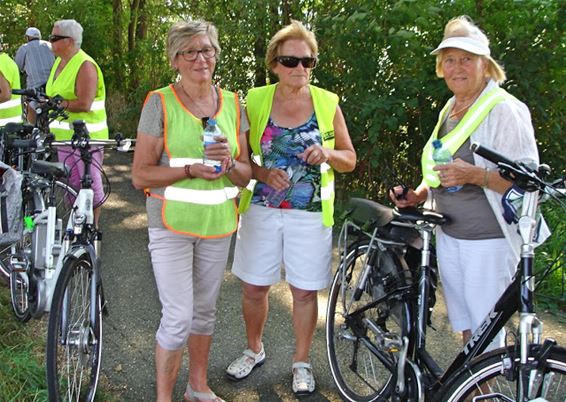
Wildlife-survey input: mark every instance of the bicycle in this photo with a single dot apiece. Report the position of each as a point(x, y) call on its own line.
point(379, 307)
point(74, 335)
point(21, 144)
point(41, 188)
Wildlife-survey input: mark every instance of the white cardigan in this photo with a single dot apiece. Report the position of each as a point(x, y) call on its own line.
point(508, 130)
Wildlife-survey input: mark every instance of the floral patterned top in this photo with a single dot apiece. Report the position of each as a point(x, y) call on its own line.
point(280, 146)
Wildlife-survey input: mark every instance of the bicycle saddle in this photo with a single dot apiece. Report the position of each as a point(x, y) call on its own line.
point(415, 215)
point(54, 169)
point(362, 212)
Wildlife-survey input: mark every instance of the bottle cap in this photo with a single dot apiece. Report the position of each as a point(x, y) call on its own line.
point(437, 144)
point(211, 122)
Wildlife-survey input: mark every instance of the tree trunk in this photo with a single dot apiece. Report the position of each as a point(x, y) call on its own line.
point(132, 26)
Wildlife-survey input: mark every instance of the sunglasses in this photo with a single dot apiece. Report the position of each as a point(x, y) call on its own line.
point(292, 61)
point(55, 38)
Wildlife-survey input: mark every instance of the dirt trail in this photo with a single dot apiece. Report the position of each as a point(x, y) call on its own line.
point(134, 315)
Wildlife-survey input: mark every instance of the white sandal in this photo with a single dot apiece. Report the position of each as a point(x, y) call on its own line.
point(195, 396)
point(244, 365)
point(303, 379)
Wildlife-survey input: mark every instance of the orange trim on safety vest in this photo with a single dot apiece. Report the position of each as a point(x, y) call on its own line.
point(164, 221)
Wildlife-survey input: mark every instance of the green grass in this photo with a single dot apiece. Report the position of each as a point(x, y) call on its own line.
point(22, 358)
point(22, 346)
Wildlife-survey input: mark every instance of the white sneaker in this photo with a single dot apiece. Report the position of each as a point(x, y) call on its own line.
point(243, 365)
point(303, 379)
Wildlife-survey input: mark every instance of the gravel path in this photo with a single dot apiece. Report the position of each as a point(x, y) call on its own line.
point(134, 315)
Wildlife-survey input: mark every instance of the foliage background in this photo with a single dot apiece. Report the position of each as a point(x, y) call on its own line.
point(373, 53)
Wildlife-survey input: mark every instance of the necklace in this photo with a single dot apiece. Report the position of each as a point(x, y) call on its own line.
point(457, 112)
point(197, 108)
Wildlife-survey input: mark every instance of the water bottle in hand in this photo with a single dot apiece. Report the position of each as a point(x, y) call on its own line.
point(295, 171)
point(210, 131)
point(442, 156)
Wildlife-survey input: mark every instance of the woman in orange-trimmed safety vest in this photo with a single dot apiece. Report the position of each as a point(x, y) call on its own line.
point(191, 206)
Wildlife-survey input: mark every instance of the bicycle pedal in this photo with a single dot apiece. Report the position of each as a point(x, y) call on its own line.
point(390, 342)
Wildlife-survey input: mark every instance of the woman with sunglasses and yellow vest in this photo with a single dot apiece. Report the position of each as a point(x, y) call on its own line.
point(477, 251)
point(10, 105)
point(298, 137)
point(78, 79)
point(191, 206)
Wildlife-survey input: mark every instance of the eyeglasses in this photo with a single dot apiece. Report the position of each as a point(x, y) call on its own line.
point(292, 61)
point(55, 38)
point(191, 55)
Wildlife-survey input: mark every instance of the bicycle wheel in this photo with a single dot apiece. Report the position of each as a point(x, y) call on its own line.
point(65, 196)
point(19, 265)
point(486, 377)
point(361, 366)
point(74, 338)
point(5, 265)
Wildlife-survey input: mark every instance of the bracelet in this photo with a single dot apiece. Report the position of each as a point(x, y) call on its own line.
point(232, 165)
point(485, 178)
point(188, 172)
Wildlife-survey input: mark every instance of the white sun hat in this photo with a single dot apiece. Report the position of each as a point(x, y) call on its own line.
point(468, 43)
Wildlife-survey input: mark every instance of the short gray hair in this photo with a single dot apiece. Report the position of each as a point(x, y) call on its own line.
point(71, 28)
point(183, 31)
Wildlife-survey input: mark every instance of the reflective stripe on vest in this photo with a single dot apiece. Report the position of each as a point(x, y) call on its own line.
point(455, 138)
point(198, 207)
point(11, 110)
point(259, 102)
point(64, 86)
point(203, 197)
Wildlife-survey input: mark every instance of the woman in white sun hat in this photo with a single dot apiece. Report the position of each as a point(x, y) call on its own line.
point(477, 251)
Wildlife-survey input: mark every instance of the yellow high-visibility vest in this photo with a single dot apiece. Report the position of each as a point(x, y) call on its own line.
point(197, 207)
point(258, 103)
point(11, 110)
point(64, 85)
point(455, 138)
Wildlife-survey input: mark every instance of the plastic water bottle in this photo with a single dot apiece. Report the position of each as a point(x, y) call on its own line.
point(442, 156)
point(210, 131)
point(295, 171)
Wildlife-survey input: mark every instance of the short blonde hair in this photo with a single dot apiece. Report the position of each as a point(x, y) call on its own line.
point(295, 30)
point(463, 26)
point(183, 31)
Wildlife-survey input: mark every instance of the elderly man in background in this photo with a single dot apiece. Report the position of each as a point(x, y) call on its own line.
point(35, 60)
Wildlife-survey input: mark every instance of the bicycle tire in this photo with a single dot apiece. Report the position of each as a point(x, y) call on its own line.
point(485, 375)
point(74, 343)
point(20, 279)
point(360, 374)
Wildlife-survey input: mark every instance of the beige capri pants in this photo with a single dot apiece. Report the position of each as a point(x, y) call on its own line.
point(189, 272)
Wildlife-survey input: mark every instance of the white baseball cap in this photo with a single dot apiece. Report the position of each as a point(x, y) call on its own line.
point(467, 43)
point(33, 32)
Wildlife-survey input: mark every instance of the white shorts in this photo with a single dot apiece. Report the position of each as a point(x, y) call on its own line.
point(474, 274)
point(269, 237)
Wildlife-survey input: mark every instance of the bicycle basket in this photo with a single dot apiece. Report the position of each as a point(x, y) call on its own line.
point(11, 222)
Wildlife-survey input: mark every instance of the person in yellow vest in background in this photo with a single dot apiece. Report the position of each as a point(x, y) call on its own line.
point(298, 137)
point(10, 105)
point(78, 79)
point(477, 251)
point(191, 206)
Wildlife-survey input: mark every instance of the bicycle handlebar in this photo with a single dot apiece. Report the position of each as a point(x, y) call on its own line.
point(31, 92)
point(491, 155)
